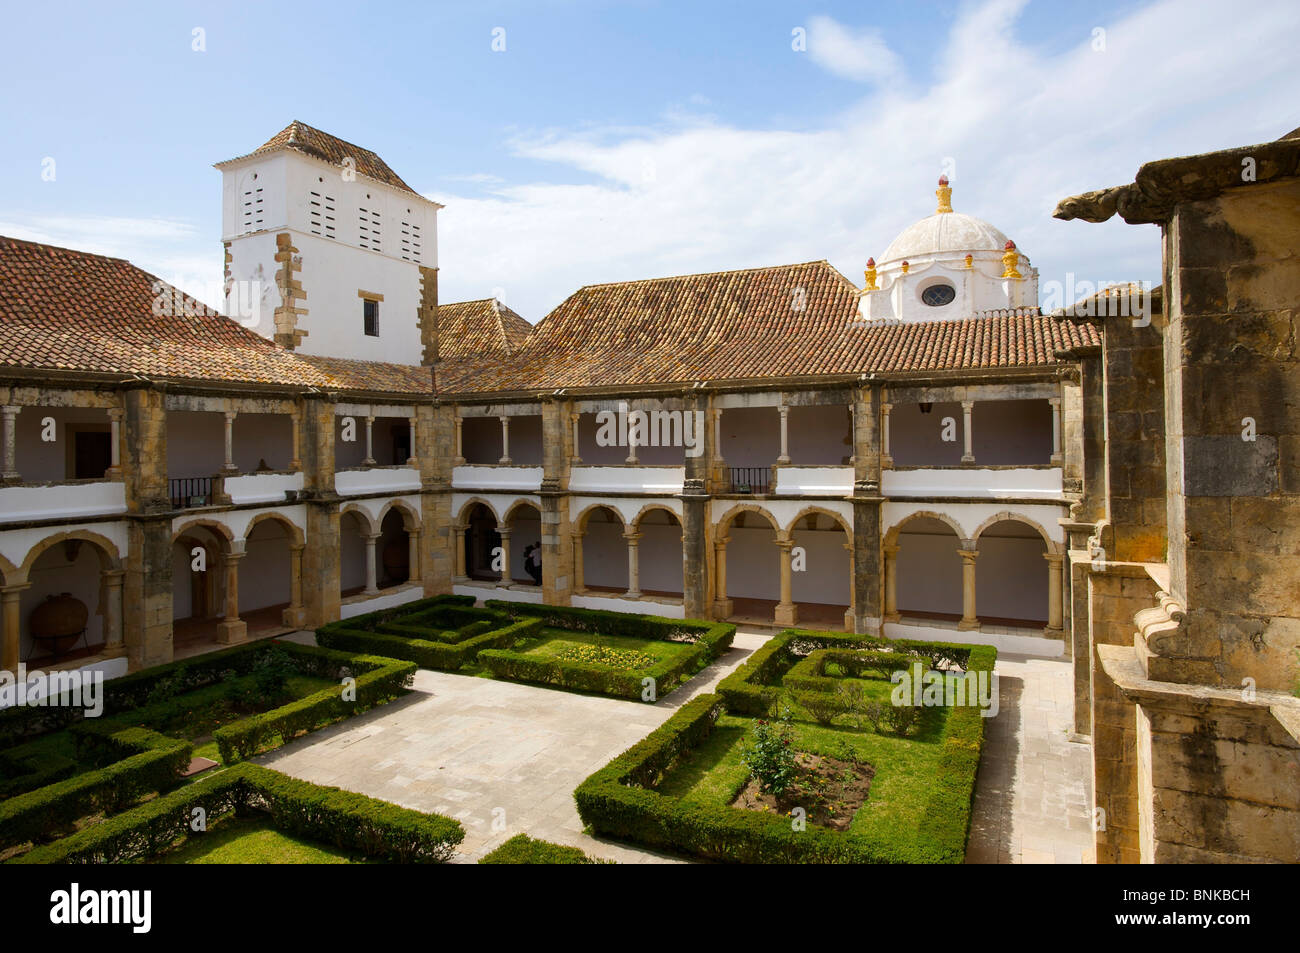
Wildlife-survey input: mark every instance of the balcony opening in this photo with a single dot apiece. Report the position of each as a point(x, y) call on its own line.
point(918, 438)
point(390, 441)
point(751, 436)
point(485, 443)
point(819, 436)
point(58, 444)
point(1012, 433)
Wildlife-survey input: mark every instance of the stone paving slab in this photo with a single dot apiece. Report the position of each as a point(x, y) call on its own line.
point(505, 758)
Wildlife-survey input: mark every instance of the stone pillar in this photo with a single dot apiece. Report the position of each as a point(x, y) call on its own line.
point(785, 435)
point(578, 583)
point(506, 578)
point(786, 611)
point(460, 457)
point(232, 628)
point(10, 437)
point(369, 461)
point(505, 441)
point(1056, 428)
point(115, 443)
point(229, 467)
point(372, 582)
point(885, 459)
point(11, 642)
point(891, 583)
point(966, 407)
point(413, 558)
point(296, 614)
point(321, 563)
point(722, 606)
point(968, 618)
point(1055, 562)
point(850, 613)
point(577, 457)
point(296, 421)
point(633, 565)
point(113, 579)
point(632, 459)
point(414, 423)
point(458, 531)
point(695, 550)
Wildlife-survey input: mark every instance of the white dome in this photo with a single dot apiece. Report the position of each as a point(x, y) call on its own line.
point(944, 233)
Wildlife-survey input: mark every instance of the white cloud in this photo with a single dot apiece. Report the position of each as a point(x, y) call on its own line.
point(860, 55)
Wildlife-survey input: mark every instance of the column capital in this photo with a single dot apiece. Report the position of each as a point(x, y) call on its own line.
point(12, 592)
point(231, 414)
point(968, 554)
point(1054, 401)
point(1054, 559)
point(967, 405)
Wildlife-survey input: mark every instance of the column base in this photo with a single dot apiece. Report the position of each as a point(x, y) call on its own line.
point(967, 459)
point(113, 651)
point(786, 614)
point(968, 626)
point(892, 617)
point(632, 594)
point(229, 633)
point(723, 608)
point(848, 620)
point(295, 616)
point(1051, 633)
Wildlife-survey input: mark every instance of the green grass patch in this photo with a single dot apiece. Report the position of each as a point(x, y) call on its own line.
point(254, 840)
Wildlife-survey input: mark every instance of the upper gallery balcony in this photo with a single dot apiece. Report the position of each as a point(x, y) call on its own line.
point(60, 462)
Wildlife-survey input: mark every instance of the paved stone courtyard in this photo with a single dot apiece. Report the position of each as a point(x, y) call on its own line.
point(504, 758)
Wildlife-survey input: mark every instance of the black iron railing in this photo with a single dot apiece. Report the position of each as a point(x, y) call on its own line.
point(749, 479)
point(188, 492)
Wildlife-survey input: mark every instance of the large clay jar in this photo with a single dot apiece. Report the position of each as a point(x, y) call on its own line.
point(59, 621)
point(397, 560)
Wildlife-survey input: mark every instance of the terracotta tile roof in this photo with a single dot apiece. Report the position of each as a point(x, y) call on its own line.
point(69, 310)
point(486, 326)
point(345, 374)
point(785, 321)
point(321, 145)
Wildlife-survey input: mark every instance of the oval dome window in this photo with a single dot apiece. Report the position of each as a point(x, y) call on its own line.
point(936, 296)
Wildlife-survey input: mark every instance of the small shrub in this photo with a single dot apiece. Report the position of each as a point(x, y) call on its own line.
point(770, 755)
point(902, 719)
point(823, 706)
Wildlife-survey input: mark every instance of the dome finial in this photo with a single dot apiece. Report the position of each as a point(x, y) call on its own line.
point(944, 194)
point(870, 275)
point(1010, 258)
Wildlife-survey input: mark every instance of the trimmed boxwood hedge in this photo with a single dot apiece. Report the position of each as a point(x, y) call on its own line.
point(431, 652)
point(620, 799)
point(522, 849)
point(809, 675)
point(346, 820)
point(145, 762)
point(710, 639)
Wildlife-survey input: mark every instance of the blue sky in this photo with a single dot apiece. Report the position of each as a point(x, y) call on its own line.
point(611, 141)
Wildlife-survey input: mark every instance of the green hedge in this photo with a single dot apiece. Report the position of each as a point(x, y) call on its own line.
point(522, 849)
point(620, 799)
point(809, 675)
point(148, 762)
point(755, 687)
point(29, 766)
point(343, 819)
point(424, 652)
point(717, 636)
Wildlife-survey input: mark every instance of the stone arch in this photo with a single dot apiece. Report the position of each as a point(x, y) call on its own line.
point(724, 524)
point(635, 523)
point(469, 504)
point(109, 558)
point(891, 537)
point(585, 515)
point(100, 593)
point(292, 530)
point(219, 530)
point(1009, 516)
point(601, 558)
point(508, 518)
point(8, 572)
point(410, 518)
point(368, 522)
point(821, 511)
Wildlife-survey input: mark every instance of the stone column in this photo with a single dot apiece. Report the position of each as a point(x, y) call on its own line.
point(722, 606)
point(785, 435)
point(372, 582)
point(1056, 428)
point(11, 642)
point(229, 467)
point(577, 457)
point(506, 578)
point(966, 407)
point(460, 457)
point(505, 441)
point(578, 583)
point(10, 437)
point(296, 614)
point(115, 443)
point(850, 612)
point(232, 628)
point(113, 579)
point(968, 618)
point(786, 611)
point(885, 459)
point(631, 443)
point(414, 459)
point(458, 532)
point(296, 420)
point(413, 558)
point(633, 565)
point(891, 583)
point(369, 461)
point(1055, 562)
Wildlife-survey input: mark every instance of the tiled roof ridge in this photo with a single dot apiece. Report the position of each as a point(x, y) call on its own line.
point(47, 246)
point(715, 274)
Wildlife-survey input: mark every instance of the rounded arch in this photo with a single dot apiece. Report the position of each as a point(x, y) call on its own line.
point(109, 558)
point(724, 524)
point(363, 516)
point(650, 507)
point(219, 530)
point(514, 507)
point(821, 511)
point(1008, 516)
point(410, 519)
point(462, 515)
point(295, 534)
point(8, 572)
point(891, 537)
point(585, 515)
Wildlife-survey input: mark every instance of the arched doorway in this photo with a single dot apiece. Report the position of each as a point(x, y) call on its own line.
point(923, 571)
point(267, 575)
point(1013, 575)
point(748, 559)
point(601, 550)
point(523, 532)
point(355, 533)
point(482, 544)
point(822, 570)
point(660, 567)
point(72, 607)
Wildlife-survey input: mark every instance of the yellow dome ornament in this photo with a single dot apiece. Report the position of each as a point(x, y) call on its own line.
point(1010, 258)
point(870, 275)
point(944, 194)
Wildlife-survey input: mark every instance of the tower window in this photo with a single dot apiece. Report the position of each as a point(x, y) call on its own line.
point(321, 214)
point(370, 317)
point(936, 296)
